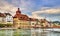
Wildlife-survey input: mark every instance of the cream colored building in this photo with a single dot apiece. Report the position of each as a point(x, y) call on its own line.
point(2, 18)
point(21, 20)
point(45, 23)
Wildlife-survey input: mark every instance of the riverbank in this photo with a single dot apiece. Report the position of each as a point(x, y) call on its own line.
point(7, 28)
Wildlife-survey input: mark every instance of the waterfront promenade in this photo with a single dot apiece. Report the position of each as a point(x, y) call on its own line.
point(28, 32)
point(7, 28)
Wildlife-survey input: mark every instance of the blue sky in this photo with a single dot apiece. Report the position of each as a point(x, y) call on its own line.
point(33, 8)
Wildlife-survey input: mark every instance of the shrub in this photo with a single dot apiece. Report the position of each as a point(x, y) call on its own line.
point(3, 25)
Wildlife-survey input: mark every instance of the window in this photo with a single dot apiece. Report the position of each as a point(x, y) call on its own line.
point(20, 23)
point(32, 23)
point(20, 17)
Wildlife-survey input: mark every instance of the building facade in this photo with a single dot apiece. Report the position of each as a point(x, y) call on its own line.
point(23, 21)
point(9, 18)
point(2, 18)
point(6, 18)
point(20, 20)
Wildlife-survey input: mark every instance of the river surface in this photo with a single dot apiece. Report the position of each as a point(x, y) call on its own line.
point(28, 32)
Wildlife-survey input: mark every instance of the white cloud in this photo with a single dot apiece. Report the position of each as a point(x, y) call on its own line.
point(12, 7)
point(24, 5)
point(6, 7)
point(47, 10)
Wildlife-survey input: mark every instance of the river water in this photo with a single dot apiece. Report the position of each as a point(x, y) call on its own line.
point(28, 32)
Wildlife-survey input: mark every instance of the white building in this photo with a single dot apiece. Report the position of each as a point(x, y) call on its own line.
point(6, 18)
point(9, 18)
point(33, 22)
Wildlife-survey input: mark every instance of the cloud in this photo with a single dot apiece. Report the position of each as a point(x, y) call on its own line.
point(6, 7)
point(11, 7)
point(47, 11)
point(27, 6)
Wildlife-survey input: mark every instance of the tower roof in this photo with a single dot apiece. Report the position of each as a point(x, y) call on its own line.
point(21, 16)
point(18, 11)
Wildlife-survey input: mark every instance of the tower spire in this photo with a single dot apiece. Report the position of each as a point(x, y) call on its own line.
point(18, 11)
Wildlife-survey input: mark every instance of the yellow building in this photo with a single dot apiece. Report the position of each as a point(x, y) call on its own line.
point(23, 21)
point(20, 20)
point(45, 23)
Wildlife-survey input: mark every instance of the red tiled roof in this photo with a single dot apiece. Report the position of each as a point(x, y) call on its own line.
point(21, 16)
point(43, 20)
point(2, 15)
point(7, 14)
point(32, 19)
point(18, 11)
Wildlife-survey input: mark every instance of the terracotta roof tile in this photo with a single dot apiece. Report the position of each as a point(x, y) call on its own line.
point(33, 19)
point(20, 16)
point(2, 15)
point(7, 14)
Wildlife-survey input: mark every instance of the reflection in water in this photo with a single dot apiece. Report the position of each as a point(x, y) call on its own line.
point(18, 32)
point(38, 32)
point(28, 32)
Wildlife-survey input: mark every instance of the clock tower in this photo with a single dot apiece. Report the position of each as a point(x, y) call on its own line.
point(18, 11)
